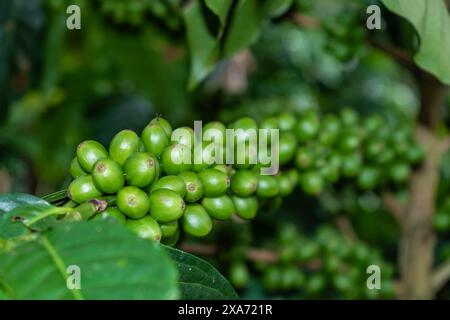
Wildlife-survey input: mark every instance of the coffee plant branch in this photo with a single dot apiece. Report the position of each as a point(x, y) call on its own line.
point(440, 276)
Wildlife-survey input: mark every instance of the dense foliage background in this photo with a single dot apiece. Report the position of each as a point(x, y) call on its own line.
point(208, 60)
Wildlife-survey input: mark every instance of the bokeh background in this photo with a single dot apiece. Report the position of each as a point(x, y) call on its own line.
point(131, 60)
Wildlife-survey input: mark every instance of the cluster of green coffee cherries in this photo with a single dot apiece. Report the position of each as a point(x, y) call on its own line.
point(156, 190)
point(343, 147)
point(156, 193)
point(310, 266)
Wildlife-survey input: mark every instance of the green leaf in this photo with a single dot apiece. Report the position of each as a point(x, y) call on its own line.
point(220, 8)
point(245, 27)
point(9, 201)
point(113, 264)
point(19, 212)
point(203, 46)
point(199, 279)
point(275, 8)
point(432, 22)
point(3, 295)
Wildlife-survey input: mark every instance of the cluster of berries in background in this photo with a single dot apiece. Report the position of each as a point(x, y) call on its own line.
point(308, 266)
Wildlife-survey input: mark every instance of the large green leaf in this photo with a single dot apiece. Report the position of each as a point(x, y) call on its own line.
point(199, 279)
point(275, 8)
point(220, 8)
point(19, 212)
point(9, 201)
point(203, 46)
point(432, 22)
point(114, 264)
point(244, 28)
point(247, 22)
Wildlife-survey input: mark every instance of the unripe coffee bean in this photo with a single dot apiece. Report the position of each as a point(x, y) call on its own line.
point(133, 202)
point(83, 189)
point(146, 228)
point(108, 176)
point(89, 152)
point(220, 208)
point(166, 205)
point(123, 145)
point(141, 169)
point(196, 221)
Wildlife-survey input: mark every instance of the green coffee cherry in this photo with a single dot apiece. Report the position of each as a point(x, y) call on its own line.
point(208, 156)
point(220, 208)
point(166, 205)
point(246, 208)
point(244, 123)
point(215, 182)
point(133, 202)
point(89, 152)
point(307, 127)
point(75, 169)
point(175, 159)
point(351, 165)
point(163, 123)
point(269, 123)
point(245, 154)
point(244, 183)
point(267, 187)
point(123, 145)
point(272, 278)
point(239, 275)
point(349, 117)
point(174, 183)
point(399, 172)
point(196, 221)
point(286, 121)
point(373, 123)
point(108, 176)
point(169, 229)
point(308, 251)
point(287, 147)
point(373, 148)
point(146, 228)
point(184, 136)
point(415, 154)
point(312, 183)
point(304, 158)
point(224, 168)
point(111, 213)
point(349, 141)
point(83, 189)
point(155, 139)
point(330, 173)
point(193, 186)
point(141, 169)
point(172, 240)
point(294, 176)
point(315, 284)
point(368, 178)
point(331, 128)
point(217, 126)
point(285, 185)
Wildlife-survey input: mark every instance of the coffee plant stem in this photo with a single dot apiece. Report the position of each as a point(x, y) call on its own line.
point(441, 276)
point(345, 226)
